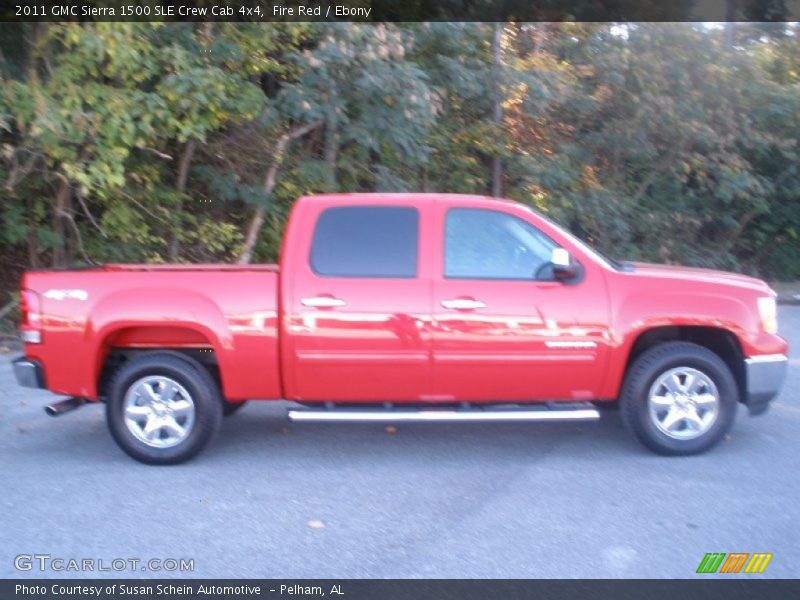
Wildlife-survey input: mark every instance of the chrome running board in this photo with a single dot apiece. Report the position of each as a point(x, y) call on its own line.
point(395, 415)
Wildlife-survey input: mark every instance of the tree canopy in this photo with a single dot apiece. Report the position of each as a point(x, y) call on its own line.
point(190, 141)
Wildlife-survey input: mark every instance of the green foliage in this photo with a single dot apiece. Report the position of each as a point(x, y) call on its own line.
point(143, 142)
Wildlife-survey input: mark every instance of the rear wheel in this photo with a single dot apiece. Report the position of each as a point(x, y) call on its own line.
point(163, 409)
point(679, 398)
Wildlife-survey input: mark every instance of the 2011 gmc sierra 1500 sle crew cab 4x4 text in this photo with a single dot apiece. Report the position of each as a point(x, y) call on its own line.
point(405, 307)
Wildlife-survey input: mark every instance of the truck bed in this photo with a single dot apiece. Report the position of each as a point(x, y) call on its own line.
point(227, 310)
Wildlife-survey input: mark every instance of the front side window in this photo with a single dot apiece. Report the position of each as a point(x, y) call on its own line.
point(488, 244)
point(366, 241)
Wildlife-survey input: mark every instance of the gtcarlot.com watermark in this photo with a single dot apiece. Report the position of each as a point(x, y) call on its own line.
point(63, 564)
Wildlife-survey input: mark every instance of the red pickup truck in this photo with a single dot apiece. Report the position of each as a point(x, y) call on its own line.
point(405, 307)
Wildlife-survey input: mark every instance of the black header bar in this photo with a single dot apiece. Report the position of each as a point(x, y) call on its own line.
point(399, 10)
point(705, 587)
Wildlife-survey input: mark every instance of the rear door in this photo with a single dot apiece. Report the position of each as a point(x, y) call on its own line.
point(359, 308)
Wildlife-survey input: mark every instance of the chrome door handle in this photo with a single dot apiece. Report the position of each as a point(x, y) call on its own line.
point(463, 304)
point(322, 302)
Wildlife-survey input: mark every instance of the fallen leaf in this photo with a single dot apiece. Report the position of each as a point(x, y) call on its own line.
point(390, 429)
point(285, 431)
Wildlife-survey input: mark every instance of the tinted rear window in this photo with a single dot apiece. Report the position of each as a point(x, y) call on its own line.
point(366, 241)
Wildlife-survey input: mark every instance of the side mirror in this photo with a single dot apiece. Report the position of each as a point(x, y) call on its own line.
point(563, 265)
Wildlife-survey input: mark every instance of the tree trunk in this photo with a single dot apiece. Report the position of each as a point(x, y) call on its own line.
point(257, 221)
point(59, 218)
point(331, 153)
point(270, 179)
point(180, 186)
point(497, 107)
point(331, 156)
point(33, 249)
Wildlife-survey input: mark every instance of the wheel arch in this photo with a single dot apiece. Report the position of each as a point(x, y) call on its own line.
point(129, 324)
point(722, 342)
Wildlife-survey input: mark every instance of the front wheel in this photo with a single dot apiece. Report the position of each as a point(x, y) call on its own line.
point(163, 409)
point(679, 398)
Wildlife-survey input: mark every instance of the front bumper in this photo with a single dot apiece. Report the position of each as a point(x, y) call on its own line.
point(29, 373)
point(765, 376)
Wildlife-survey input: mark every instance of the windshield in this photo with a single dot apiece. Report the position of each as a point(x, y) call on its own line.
point(594, 253)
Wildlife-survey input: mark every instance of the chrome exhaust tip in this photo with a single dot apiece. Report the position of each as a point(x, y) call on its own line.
point(64, 406)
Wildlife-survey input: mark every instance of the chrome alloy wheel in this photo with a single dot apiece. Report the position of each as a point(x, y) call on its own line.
point(159, 411)
point(683, 403)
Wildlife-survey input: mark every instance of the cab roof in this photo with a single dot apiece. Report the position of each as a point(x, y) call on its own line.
point(409, 198)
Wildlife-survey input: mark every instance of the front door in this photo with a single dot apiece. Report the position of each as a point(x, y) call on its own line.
point(504, 328)
point(359, 310)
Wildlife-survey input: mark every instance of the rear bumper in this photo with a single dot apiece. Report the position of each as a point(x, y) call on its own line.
point(765, 376)
point(29, 373)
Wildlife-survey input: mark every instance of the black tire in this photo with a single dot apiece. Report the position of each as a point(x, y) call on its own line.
point(228, 408)
point(642, 374)
point(195, 379)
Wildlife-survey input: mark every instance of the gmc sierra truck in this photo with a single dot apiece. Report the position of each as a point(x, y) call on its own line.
point(405, 307)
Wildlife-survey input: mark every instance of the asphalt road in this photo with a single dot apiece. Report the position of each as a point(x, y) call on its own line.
point(274, 499)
